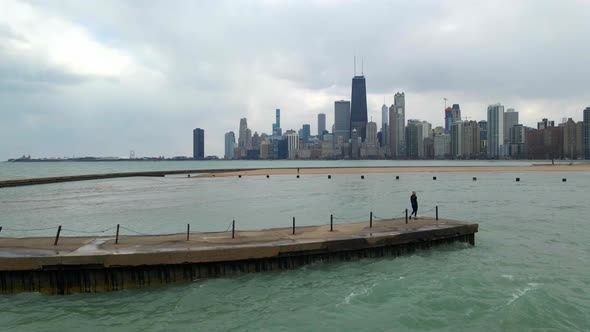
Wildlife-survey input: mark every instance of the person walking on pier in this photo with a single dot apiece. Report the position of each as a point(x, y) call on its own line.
point(414, 201)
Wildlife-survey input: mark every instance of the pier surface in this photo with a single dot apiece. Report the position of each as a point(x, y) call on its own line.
point(93, 264)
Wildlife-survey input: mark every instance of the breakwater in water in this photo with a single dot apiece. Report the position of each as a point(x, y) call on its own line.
point(98, 264)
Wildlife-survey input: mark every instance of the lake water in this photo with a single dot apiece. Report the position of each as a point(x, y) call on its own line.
point(530, 268)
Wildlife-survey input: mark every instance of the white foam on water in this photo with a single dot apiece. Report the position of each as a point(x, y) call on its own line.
point(508, 276)
point(518, 293)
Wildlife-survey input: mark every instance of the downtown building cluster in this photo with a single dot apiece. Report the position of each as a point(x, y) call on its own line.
point(352, 136)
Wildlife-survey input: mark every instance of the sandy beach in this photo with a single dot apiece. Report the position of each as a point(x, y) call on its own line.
point(406, 169)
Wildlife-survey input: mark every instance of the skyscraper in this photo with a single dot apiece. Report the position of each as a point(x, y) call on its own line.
point(397, 118)
point(457, 140)
point(358, 107)
point(230, 143)
point(372, 134)
point(305, 133)
point(456, 113)
point(587, 133)
point(448, 119)
point(342, 120)
point(414, 139)
point(199, 144)
point(483, 137)
point(384, 124)
point(510, 119)
point(276, 127)
point(321, 124)
point(495, 146)
point(243, 134)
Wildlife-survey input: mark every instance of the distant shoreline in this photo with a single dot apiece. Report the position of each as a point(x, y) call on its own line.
point(302, 171)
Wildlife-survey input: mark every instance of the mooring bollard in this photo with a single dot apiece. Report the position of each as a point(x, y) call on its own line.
point(331, 223)
point(57, 235)
point(188, 231)
point(406, 216)
point(437, 212)
point(233, 229)
point(117, 235)
point(293, 225)
point(371, 220)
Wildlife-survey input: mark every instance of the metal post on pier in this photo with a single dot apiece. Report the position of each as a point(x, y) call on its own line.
point(188, 231)
point(331, 223)
point(117, 235)
point(233, 229)
point(57, 235)
point(437, 212)
point(371, 220)
point(406, 216)
point(293, 225)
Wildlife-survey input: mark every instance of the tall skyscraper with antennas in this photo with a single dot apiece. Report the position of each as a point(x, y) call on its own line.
point(358, 105)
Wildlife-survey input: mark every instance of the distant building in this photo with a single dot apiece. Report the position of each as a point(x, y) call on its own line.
point(414, 139)
point(448, 119)
point(457, 140)
point(546, 143)
point(276, 127)
point(230, 144)
point(354, 144)
point(510, 119)
point(384, 125)
point(396, 135)
point(305, 133)
point(321, 124)
point(199, 144)
point(545, 123)
point(471, 137)
point(573, 143)
point(358, 107)
point(518, 141)
point(372, 134)
point(495, 148)
point(341, 120)
point(456, 113)
point(587, 133)
point(442, 145)
point(245, 135)
point(483, 137)
point(292, 144)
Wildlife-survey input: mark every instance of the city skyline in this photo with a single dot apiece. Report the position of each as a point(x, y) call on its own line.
point(89, 80)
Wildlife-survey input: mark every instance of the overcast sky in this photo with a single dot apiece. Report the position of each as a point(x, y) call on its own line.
point(102, 78)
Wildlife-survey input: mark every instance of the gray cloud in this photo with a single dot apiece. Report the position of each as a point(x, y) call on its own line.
point(206, 64)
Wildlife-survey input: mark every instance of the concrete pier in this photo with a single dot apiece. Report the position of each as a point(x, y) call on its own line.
point(97, 264)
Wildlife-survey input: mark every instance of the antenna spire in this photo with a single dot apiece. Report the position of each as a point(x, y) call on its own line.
point(362, 67)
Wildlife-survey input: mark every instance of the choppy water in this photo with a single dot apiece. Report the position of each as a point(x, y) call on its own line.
point(529, 269)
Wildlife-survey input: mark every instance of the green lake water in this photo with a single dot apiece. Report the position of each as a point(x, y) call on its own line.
point(529, 269)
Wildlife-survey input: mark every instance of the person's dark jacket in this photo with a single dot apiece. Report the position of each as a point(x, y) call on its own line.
point(414, 200)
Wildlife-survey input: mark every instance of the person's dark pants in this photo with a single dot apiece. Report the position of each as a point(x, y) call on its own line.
point(414, 211)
